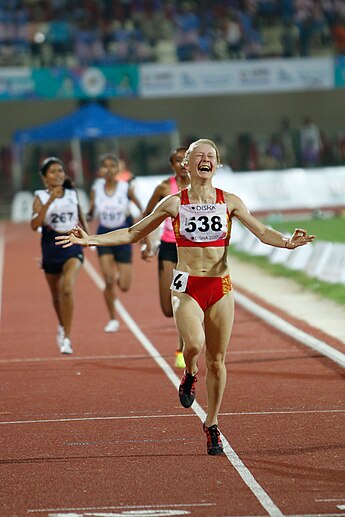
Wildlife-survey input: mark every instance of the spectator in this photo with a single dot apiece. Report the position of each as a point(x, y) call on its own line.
point(338, 32)
point(341, 148)
point(306, 29)
point(187, 25)
point(234, 36)
point(88, 44)
point(287, 10)
point(204, 50)
point(288, 140)
point(274, 152)
point(247, 152)
point(327, 152)
point(59, 36)
point(289, 39)
point(253, 40)
point(310, 143)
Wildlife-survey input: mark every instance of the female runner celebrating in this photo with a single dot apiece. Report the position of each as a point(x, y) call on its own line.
point(202, 296)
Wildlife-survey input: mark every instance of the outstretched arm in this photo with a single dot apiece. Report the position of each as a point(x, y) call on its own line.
point(168, 207)
point(267, 235)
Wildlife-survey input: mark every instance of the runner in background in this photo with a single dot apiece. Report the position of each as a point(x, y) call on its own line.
point(167, 254)
point(55, 209)
point(110, 202)
point(124, 173)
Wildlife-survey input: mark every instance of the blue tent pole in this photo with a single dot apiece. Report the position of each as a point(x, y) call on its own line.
point(78, 163)
point(17, 167)
point(174, 139)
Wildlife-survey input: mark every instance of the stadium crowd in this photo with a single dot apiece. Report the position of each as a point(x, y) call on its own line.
point(101, 32)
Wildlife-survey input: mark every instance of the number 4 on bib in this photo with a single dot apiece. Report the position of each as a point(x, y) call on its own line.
point(179, 281)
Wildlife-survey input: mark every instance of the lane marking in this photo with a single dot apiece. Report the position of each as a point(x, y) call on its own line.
point(143, 508)
point(257, 490)
point(124, 513)
point(146, 417)
point(332, 500)
point(125, 356)
point(283, 326)
point(73, 358)
point(263, 351)
point(129, 509)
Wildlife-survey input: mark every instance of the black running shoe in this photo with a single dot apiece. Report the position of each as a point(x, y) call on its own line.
point(187, 389)
point(214, 442)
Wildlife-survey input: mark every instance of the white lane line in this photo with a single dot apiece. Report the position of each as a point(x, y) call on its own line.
point(2, 253)
point(330, 500)
point(263, 351)
point(285, 327)
point(72, 358)
point(89, 419)
point(143, 511)
point(260, 494)
point(147, 417)
point(123, 356)
point(280, 412)
point(124, 507)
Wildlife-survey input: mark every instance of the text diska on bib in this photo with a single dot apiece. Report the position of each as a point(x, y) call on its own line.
point(204, 222)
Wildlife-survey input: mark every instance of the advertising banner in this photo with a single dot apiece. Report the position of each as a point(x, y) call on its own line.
point(339, 72)
point(68, 83)
point(230, 77)
point(178, 80)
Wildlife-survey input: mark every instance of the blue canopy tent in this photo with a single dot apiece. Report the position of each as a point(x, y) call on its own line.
point(89, 122)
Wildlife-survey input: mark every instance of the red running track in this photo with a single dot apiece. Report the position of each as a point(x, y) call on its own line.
point(101, 433)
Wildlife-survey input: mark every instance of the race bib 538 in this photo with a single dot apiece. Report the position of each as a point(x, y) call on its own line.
point(203, 223)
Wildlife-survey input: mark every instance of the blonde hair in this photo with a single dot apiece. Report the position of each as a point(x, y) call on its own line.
point(195, 144)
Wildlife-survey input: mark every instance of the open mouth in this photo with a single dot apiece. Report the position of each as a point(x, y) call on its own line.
point(204, 168)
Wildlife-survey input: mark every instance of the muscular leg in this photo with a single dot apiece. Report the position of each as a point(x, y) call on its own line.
point(107, 268)
point(70, 270)
point(165, 269)
point(124, 279)
point(218, 326)
point(189, 321)
point(54, 283)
